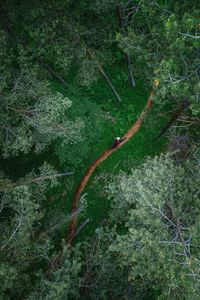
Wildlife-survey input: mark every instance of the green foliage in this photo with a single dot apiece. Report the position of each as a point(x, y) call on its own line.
point(93, 118)
point(33, 116)
point(148, 245)
point(61, 33)
point(24, 228)
point(64, 283)
point(159, 206)
point(167, 41)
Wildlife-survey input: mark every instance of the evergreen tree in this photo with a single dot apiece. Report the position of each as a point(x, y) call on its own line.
point(165, 38)
point(150, 250)
point(148, 246)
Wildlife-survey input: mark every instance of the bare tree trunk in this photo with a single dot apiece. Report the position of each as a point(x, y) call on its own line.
point(50, 70)
point(70, 238)
point(127, 56)
point(128, 59)
point(109, 83)
point(174, 117)
point(105, 75)
point(34, 180)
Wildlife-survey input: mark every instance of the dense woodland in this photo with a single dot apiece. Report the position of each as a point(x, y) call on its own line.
point(74, 75)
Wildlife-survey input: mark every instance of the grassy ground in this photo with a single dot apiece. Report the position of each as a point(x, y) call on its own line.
point(105, 120)
point(122, 116)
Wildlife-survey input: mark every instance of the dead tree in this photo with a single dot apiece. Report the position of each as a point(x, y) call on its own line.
point(184, 104)
point(101, 70)
point(33, 180)
point(123, 29)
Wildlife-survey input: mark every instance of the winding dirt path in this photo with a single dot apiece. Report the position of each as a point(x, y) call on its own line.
point(132, 131)
point(73, 224)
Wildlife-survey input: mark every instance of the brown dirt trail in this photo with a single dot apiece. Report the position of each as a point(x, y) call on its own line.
point(133, 130)
point(73, 224)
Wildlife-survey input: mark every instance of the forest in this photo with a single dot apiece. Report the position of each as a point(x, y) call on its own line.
point(100, 149)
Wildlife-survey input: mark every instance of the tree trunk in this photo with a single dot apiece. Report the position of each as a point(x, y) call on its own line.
point(33, 180)
point(105, 75)
point(109, 83)
point(128, 59)
point(174, 117)
point(127, 56)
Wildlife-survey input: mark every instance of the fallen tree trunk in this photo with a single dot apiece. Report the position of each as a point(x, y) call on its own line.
point(174, 117)
point(50, 70)
point(105, 75)
point(80, 228)
point(109, 83)
point(33, 180)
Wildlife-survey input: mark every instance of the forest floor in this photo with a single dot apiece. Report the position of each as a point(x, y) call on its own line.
point(105, 119)
point(124, 139)
point(116, 119)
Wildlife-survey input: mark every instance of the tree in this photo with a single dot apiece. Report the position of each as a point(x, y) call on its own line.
point(166, 39)
point(150, 247)
point(32, 115)
point(60, 33)
point(64, 283)
point(147, 247)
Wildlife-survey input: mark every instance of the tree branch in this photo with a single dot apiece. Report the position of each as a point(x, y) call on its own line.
point(33, 180)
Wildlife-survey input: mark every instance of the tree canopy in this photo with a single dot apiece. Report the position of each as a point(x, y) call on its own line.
point(63, 66)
